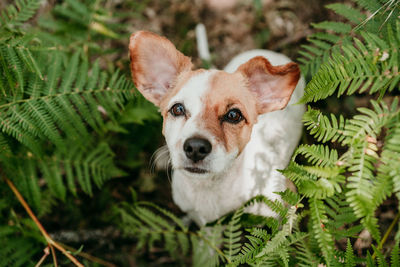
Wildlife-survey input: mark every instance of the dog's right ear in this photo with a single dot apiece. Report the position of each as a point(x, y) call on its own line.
point(155, 64)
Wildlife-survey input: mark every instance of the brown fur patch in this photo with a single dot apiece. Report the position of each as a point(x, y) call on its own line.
point(272, 85)
point(229, 91)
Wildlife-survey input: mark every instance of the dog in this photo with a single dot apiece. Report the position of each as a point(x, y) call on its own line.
point(228, 132)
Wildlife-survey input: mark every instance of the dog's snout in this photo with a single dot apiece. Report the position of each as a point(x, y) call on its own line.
point(197, 148)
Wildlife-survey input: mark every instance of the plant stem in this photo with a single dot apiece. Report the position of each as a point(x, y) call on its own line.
point(46, 253)
point(88, 256)
point(388, 231)
point(49, 240)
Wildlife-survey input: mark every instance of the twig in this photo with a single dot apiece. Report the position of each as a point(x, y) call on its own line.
point(88, 256)
point(385, 237)
point(49, 240)
point(46, 253)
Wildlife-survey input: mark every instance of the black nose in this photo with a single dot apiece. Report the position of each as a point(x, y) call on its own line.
point(196, 148)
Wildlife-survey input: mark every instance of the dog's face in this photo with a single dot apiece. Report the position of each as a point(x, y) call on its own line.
point(208, 114)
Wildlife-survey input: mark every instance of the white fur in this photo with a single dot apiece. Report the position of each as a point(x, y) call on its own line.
point(254, 172)
point(179, 129)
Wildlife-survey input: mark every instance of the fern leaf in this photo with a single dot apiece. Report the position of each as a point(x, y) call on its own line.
point(380, 257)
point(232, 235)
point(370, 5)
point(350, 261)
point(305, 256)
point(322, 127)
point(70, 74)
point(342, 74)
point(18, 250)
point(338, 27)
point(318, 155)
point(250, 250)
point(319, 218)
point(15, 15)
point(167, 214)
point(350, 13)
point(26, 56)
point(395, 259)
point(290, 197)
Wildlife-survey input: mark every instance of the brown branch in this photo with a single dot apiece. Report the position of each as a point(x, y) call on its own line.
point(46, 253)
point(49, 240)
point(89, 257)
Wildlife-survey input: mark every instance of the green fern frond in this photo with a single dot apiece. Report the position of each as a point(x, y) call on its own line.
point(380, 257)
point(290, 197)
point(276, 242)
point(374, 70)
point(15, 15)
point(44, 114)
point(297, 174)
point(395, 259)
point(361, 133)
point(342, 216)
point(232, 235)
point(322, 234)
point(315, 181)
point(322, 127)
point(61, 171)
point(304, 256)
point(166, 213)
point(352, 14)
point(18, 250)
point(250, 250)
point(318, 155)
point(336, 33)
point(350, 260)
point(338, 27)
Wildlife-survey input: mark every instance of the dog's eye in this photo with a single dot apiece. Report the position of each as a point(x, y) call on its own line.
point(233, 116)
point(177, 110)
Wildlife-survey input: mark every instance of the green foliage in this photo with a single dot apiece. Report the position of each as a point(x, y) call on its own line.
point(347, 177)
point(58, 113)
point(63, 114)
point(15, 15)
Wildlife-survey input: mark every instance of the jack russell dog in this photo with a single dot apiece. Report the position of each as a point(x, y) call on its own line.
point(228, 131)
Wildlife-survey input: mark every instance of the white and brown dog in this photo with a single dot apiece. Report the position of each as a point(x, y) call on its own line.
point(225, 130)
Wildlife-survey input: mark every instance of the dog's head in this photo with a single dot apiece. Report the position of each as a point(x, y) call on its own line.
point(208, 114)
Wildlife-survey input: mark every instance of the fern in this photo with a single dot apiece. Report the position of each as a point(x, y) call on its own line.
point(20, 239)
point(304, 255)
point(375, 68)
point(336, 35)
point(395, 259)
point(322, 127)
point(57, 109)
point(322, 234)
point(232, 236)
point(350, 261)
point(15, 15)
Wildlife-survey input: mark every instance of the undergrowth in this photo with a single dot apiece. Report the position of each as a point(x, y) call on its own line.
point(60, 109)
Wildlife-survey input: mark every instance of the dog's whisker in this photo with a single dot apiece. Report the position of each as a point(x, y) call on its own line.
point(168, 167)
point(158, 159)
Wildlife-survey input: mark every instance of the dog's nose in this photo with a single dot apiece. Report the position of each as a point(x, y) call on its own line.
point(197, 148)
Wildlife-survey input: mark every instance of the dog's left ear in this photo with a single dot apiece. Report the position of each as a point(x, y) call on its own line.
point(155, 64)
point(271, 85)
